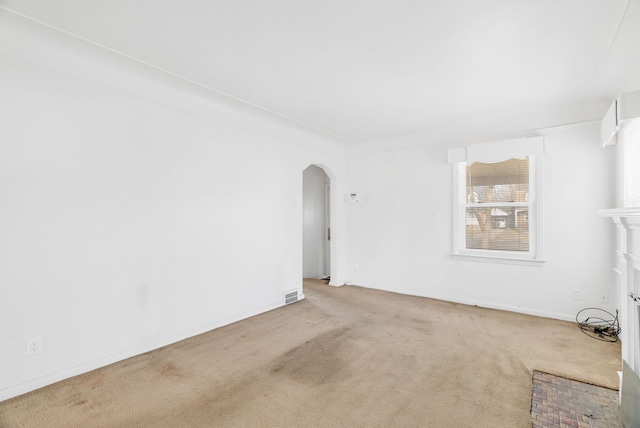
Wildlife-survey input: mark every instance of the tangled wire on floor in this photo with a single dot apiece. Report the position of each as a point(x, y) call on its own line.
point(595, 325)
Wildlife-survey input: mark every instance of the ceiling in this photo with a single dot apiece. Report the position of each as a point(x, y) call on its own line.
point(365, 69)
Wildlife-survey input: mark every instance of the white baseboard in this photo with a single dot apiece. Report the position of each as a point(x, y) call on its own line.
point(526, 311)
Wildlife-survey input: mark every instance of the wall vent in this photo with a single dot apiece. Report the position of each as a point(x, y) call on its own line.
point(290, 297)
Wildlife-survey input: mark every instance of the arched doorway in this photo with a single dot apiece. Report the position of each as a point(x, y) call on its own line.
point(316, 223)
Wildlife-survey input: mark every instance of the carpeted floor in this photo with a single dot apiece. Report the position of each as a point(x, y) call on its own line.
point(348, 356)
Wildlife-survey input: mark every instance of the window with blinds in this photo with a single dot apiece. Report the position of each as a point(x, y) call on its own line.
point(497, 205)
point(497, 201)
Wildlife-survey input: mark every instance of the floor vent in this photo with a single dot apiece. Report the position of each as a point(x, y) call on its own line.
point(290, 297)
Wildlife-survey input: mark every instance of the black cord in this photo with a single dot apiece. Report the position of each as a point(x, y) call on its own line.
point(600, 328)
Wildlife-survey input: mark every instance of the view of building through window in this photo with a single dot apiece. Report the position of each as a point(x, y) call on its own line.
point(497, 205)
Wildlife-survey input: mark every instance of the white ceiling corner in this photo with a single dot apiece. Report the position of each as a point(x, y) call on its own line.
point(360, 70)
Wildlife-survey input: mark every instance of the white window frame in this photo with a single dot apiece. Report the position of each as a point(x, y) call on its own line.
point(499, 151)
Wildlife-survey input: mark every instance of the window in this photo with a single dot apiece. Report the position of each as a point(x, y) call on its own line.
point(497, 205)
point(497, 201)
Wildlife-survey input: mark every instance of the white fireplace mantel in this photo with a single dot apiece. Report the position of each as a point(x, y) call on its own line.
point(619, 213)
point(628, 268)
point(628, 218)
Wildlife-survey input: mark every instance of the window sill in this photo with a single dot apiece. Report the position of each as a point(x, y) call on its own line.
point(502, 260)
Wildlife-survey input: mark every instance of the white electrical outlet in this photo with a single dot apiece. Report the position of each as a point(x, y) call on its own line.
point(34, 345)
point(575, 294)
point(604, 297)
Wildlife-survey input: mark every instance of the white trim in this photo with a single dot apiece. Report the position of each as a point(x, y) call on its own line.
point(623, 217)
point(456, 155)
point(538, 204)
point(498, 259)
point(633, 260)
point(497, 204)
point(497, 151)
point(458, 213)
point(517, 309)
point(628, 106)
point(623, 109)
point(609, 126)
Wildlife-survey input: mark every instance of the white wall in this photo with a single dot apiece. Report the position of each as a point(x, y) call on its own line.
point(136, 210)
point(314, 222)
point(399, 236)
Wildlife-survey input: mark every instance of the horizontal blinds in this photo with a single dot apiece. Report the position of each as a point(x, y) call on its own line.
point(510, 172)
point(497, 209)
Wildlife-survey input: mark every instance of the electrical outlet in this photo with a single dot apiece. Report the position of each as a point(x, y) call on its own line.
point(575, 294)
point(355, 267)
point(34, 345)
point(604, 297)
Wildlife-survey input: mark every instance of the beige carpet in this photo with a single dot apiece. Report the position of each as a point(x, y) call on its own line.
point(344, 357)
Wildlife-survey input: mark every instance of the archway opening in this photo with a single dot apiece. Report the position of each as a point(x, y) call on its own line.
point(316, 224)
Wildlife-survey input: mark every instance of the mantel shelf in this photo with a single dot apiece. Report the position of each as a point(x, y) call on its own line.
point(620, 212)
point(629, 218)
